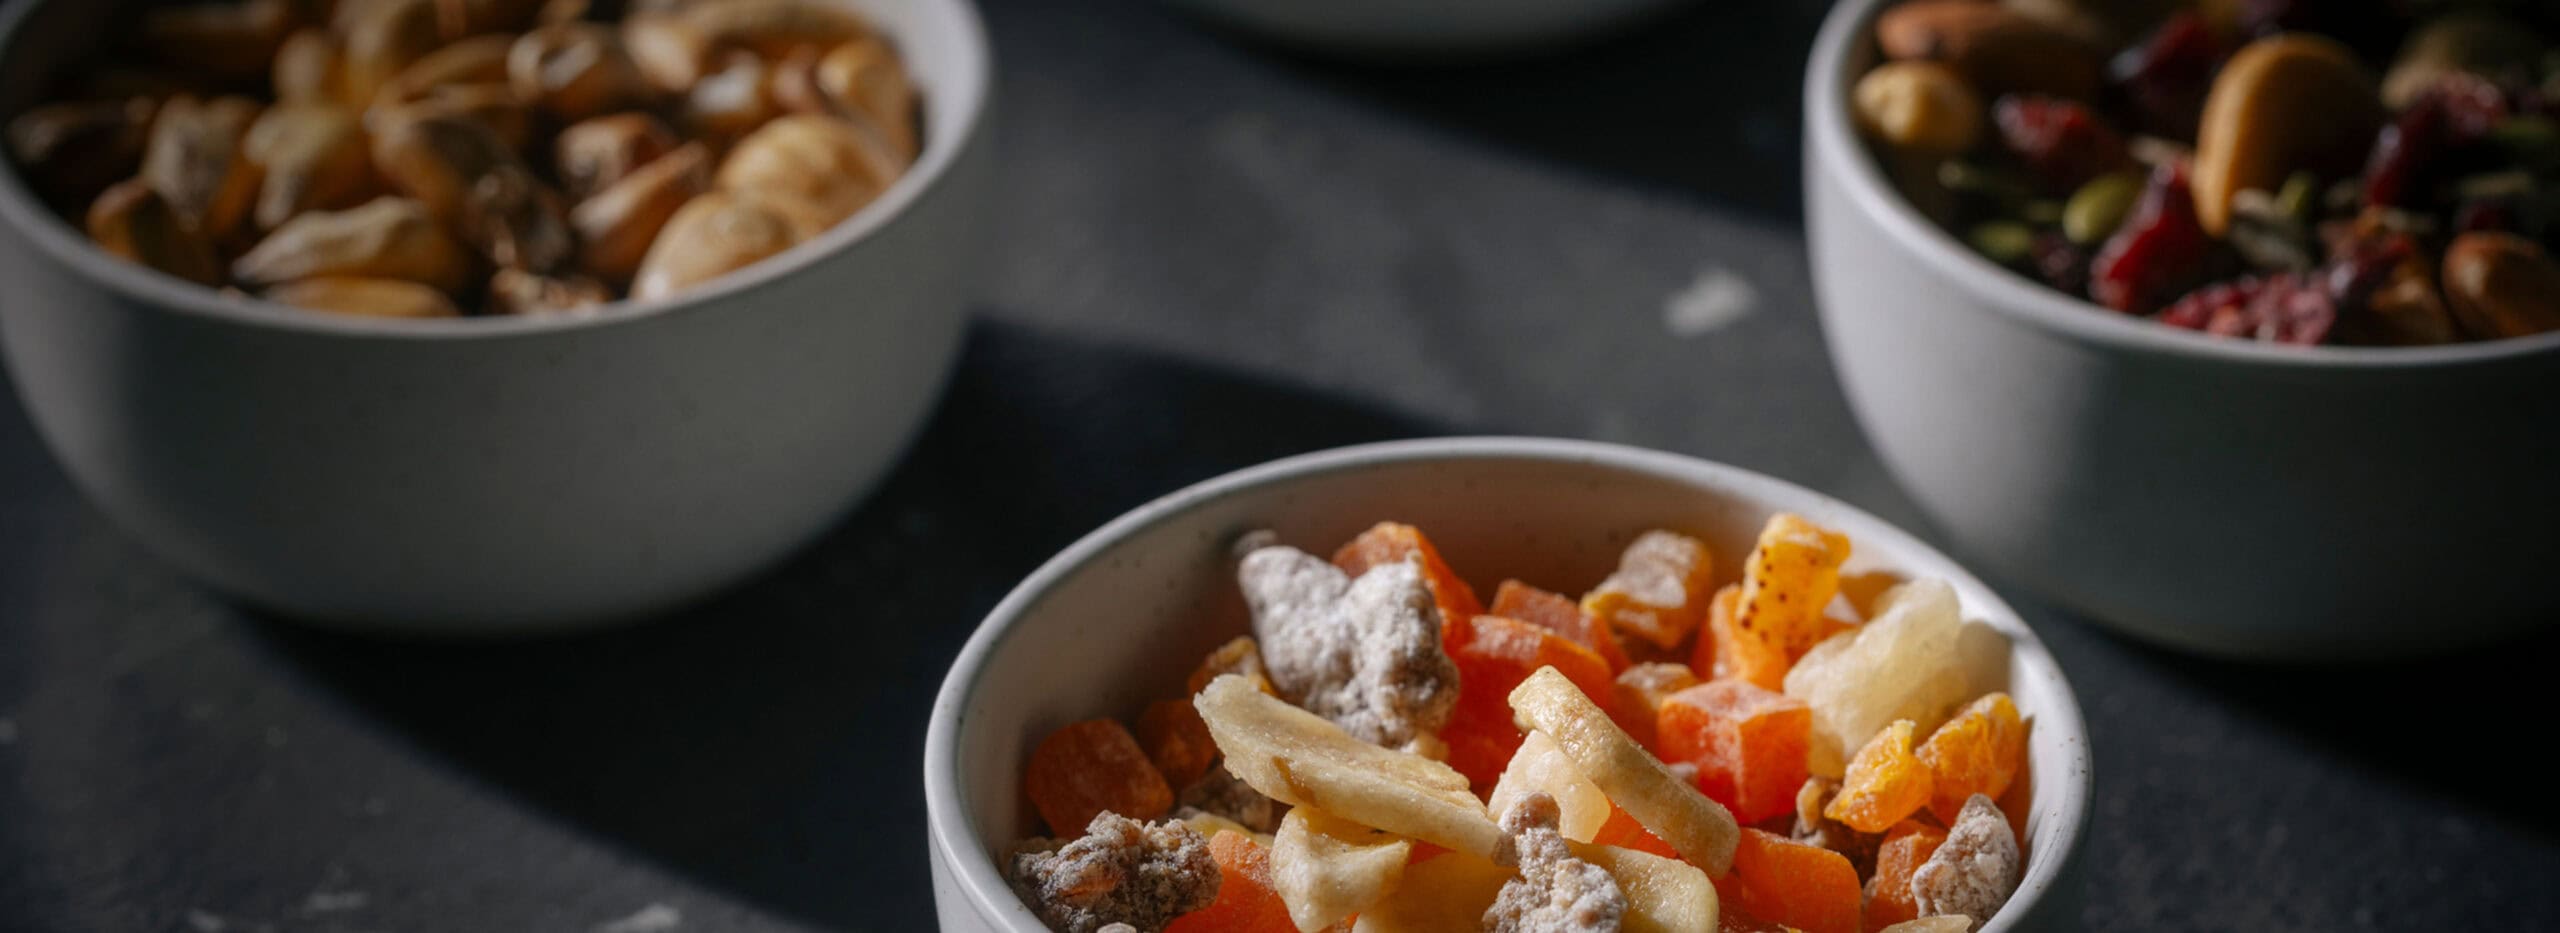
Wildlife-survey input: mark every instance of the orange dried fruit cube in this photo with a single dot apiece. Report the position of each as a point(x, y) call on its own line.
point(1885, 782)
point(1906, 847)
point(1241, 656)
point(1088, 767)
point(1246, 902)
point(1494, 655)
point(1659, 592)
point(1635, 700)
point(1723, 654)
point(1624, 832)
point(1748, 744)
point(1977, 752)
point(1555, 613)
point(1177, 740)
point(1389, 542)
point(1803, 886)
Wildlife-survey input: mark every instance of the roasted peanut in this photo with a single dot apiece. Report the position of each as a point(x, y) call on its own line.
point(515, 291)
point(668, 51)
point(194, 161)
point(386, 238)
point(1919, 107)
point(2284, 104)
point(386, 37)
point(227, 41)
point(616, 226)
point(310, 157)
point(592, 154)
point(2501, 285)
point(469, 178)
point(479, 60)
point(730, 101)
point(309, 70)
point(74, 151)
point(491, 105)
point(132, 221)
point(575, 71)
point(817, 170)
point(866, 77)
point(773, 28)
point(711, 236)
point(2479, 42)
point(1997, 50)
point(365, 297)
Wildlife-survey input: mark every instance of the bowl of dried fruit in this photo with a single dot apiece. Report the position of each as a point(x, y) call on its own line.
point(2234, 326)
point(484, 315)
point(1695, 699)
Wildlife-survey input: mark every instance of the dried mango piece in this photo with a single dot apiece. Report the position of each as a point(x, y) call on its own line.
point(1978, 751)
point(1885, 782)
point(1906, 847)
point(1635, 701)
point(1494, 655)
point(1239, 656)
point(1809, 888)
point(1088, 768)
point(1177, 741)
point(1389, 543)
point(1555, 613)
point(1659, 592)
point(1246, 902)
point(1907, 664)
point(1747, 743)
point(1788, 579)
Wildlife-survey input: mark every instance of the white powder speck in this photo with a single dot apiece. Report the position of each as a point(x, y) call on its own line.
point(1715, 300)
point(329, 902)
point(655, 918)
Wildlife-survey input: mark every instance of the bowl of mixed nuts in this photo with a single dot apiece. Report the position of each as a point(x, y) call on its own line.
point(2195, 316)
point(484, 314)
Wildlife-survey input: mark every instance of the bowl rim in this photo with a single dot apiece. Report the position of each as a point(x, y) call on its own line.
point(1835, 149)
point(951, 827)
point(974, 70)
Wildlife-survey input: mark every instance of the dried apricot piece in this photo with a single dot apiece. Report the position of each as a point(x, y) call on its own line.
point(1906, 847)
point(1806, 887)
point(1977, 752)
point(1177, 741)
point(1659, 592)
point(1747, 743)
point(1494, 655)
point(1390, 542)
point(1555, 613)
point(1090, 767)
point(1787, 581)
point(1242, 655)
point(1885, 782)
point(1246, 901)
point(1635, 701)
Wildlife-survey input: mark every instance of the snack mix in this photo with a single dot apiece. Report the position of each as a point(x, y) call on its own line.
point(1385, 753)
point(2363, 172)
point(431, 158)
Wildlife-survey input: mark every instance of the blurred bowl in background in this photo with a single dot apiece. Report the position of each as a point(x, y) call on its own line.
point(1383, 27)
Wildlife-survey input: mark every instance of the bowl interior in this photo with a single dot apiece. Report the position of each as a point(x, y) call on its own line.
point(1121, 618)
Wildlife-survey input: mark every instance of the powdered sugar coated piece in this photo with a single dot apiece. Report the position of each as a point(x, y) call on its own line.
point(1121, 872)
point(1972, 872)
point(1555, 893)
point(1362, 653)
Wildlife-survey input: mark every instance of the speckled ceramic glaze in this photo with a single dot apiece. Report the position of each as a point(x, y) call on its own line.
point(1123, 616)
point(1391, 26)
point(498, 474)
point(2217, 495)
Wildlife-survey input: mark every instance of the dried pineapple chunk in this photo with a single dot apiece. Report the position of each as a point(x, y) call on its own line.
point(1327, 868)
point(1664, 895)
point(1541, 767)
point(1447, 893)
point(1701, 830)
point(1302, 759)
point(1907, 664)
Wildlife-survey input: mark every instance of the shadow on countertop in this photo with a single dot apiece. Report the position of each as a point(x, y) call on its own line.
point(768, 742)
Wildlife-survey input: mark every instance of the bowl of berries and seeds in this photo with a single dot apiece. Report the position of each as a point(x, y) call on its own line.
point(2230, 326)
point(1437, 684)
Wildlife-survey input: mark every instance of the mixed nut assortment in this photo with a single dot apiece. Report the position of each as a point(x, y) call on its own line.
point(1386, 754)
point(430, 158)
point(2374, 172)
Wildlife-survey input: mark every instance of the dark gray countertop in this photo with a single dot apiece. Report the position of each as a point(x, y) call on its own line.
point(1206, 254)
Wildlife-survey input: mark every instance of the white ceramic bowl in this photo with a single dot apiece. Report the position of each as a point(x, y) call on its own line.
point(2216, 495)
point(498, 474)
point(1392, 26)
point(1121, 618)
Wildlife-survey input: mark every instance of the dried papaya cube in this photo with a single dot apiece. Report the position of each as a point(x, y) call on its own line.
point(1809, 888)
point(1177, 740)
point(1635, 701)
point(1624, 832)
point(1748, 745)
point(1723, 654)
point(1246, 902)
point(1555, 613)
point(1241, 656)
point(1906, 847)
point(1088, 768)
point(1885, 782)
point(1977, 752)
point(1494, 655)
point(1389, 542)
point(1659, 592)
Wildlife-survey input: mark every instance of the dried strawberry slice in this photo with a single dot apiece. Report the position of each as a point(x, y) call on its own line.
point(2158, 250)
point(2061, 141)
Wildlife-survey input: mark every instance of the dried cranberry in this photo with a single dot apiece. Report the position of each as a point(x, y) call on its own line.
point(2282, 308)
point(2457, 111)
point(2156, 252)
point(2163, 79)
point(2060, 263)
point(2061, 141)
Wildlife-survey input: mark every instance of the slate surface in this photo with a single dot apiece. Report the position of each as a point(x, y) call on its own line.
point(1208, 254)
